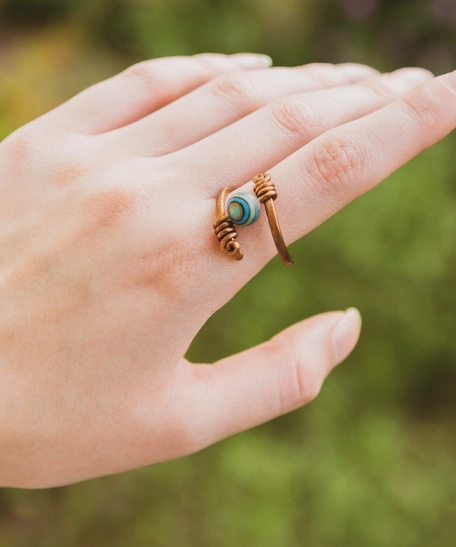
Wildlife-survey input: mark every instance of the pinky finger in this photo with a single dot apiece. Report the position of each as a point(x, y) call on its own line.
point(144, 88)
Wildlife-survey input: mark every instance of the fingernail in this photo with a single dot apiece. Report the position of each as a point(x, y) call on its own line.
point(356, 71)
point(251, 60)
point(414, 76)
point(346, 334)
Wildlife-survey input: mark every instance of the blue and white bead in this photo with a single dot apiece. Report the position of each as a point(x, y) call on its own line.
point(243, 208)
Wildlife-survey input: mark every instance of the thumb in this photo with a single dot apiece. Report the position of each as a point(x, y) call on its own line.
point(271, 379)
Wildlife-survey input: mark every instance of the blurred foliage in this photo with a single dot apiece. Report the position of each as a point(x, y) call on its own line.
point(373, 460)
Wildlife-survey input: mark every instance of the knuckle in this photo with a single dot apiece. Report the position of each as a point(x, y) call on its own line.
point(236, 88)
point(106, 207)
point(324, 75)
point(297, 118)
point(382, 87)
point(320, 66)
point(27, 148)
point(423, 111)
point(299, 382)
point(306, 384)
point(334, 165)
point(146, 73)
point(69, 172)
point(162, 262)
point(212, 63)
point(24, 144)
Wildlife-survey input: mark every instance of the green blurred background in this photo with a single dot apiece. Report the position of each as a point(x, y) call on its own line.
point(371, 462)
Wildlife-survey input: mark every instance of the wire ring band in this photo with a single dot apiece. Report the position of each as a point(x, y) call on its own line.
point(244, 210)
point(266, 192)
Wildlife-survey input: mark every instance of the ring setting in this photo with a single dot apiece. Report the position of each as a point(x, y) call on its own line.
point(243, 209)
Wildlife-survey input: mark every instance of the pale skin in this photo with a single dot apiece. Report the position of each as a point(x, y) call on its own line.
point(109, 265)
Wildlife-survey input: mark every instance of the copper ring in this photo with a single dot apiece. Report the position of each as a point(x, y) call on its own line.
point(225, 230)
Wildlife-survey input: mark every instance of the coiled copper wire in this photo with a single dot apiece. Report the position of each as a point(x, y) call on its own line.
point(225, 230)
point(264, 188)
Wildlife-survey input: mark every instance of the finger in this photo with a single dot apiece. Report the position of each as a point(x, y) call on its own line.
point(268, 136)
point(271, 379)
point(225, 100)
point(324, 176)
point(144, 88)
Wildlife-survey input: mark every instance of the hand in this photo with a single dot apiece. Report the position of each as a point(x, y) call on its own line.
point(109, 265)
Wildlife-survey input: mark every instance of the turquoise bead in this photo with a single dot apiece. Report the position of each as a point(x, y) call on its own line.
point(243, 208)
